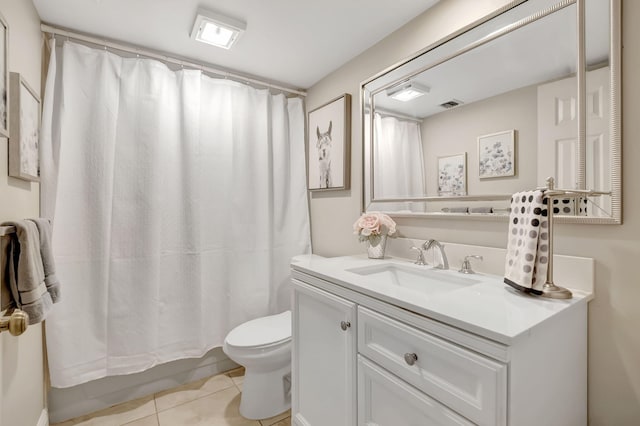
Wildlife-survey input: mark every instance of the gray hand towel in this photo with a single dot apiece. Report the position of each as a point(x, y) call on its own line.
point(26, 273)
point(50, 278)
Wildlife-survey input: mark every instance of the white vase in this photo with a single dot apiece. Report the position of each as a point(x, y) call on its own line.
point(377, 251)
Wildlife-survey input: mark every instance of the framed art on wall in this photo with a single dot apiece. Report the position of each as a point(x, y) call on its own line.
point(496, 155)
point(452, 174)
point(25, 129)
point(328, 145)
point(4, 78)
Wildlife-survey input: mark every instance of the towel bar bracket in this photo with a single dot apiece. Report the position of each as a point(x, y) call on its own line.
point(16, 323)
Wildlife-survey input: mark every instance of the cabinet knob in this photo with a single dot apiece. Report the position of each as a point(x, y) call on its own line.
point(344, 325)
point(410, 358)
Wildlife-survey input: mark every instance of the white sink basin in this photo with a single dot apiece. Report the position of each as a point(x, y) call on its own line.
point(423, 279)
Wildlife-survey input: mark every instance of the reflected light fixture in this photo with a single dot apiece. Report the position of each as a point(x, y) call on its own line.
point(407, 91)
point(217, 30)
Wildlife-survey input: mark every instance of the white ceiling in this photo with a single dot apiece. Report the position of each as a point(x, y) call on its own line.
point(295, 42)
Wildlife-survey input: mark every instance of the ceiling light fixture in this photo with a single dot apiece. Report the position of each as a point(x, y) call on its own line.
point(217, 30)
point(407, 91)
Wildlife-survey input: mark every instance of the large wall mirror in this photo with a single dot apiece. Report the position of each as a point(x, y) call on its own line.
point(531, 92)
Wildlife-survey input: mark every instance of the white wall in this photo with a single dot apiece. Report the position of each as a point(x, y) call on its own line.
point(614, 316)
point(21, 365)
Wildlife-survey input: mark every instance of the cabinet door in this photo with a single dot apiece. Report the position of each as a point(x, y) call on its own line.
point(323, 358)
point(385, 400)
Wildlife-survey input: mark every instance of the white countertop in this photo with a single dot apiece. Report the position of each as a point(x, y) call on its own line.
point(488, 308)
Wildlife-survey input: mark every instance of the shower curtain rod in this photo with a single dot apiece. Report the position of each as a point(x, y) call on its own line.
point(386, 112)
point(130, 48)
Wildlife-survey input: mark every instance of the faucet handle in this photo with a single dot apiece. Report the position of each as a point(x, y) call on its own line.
point(466, 264)
point(420, 260)
point(427, 244)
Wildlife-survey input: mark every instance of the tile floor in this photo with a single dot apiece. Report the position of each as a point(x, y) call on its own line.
point(213, 401)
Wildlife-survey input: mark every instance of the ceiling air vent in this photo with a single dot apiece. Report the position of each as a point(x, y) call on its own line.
point(451, 104)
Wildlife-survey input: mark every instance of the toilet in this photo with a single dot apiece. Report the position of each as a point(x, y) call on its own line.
point(263, 347)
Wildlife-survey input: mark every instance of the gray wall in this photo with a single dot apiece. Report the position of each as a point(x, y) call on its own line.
point(614, 315)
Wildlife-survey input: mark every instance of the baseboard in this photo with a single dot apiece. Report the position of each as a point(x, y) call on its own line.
point(69, 403)
point(44, 418)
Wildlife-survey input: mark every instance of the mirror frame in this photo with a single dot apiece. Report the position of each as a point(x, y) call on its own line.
point(615, 146)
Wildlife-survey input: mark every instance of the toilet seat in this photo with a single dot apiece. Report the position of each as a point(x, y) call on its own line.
point(261, 332)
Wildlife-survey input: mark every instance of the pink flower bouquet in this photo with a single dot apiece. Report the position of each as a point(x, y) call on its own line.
point(372, 226)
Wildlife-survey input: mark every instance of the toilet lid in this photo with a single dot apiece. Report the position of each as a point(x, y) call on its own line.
point(261, 331)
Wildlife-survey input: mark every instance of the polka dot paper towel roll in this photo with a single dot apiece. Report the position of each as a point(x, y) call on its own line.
point(528, 247)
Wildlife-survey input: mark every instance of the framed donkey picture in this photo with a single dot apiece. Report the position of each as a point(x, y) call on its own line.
point(328, 145)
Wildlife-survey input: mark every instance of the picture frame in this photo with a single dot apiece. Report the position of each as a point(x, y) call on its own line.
point(497, 155)
point(452, 174)
point(4, 78)
point(24, 115)
point(329, 145)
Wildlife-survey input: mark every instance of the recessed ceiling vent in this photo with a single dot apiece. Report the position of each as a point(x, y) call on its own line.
point(451, 104)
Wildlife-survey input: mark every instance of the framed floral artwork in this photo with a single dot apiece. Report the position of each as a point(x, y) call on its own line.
point(496, 155)
point(452, 174)
point(25, 130)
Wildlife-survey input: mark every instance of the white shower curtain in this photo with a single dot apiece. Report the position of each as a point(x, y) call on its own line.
point(178, 201)
point(398, 162)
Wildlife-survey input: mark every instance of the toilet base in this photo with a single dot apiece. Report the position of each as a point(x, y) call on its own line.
point(265, 393)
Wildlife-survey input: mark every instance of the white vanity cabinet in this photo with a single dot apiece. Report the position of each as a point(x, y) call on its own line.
point(471, 383)
point(361, 357)
point(385, 400)
point(323, 358)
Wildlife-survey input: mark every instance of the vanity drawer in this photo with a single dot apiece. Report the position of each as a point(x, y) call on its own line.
point(466, 382)
point(385, 400)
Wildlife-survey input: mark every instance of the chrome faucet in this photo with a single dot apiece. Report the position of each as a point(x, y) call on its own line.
point(429, 244)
